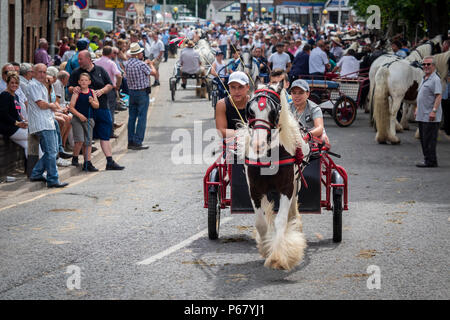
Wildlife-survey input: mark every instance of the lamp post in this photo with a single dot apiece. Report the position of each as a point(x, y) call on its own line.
point(175, 13)
point(325, 12)
point(250, 9)
point(259, 10)
point(263, 12)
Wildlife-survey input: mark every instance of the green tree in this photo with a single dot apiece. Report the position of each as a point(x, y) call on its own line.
point(433, 15)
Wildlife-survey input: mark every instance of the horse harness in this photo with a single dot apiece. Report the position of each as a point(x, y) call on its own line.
point(262, 96)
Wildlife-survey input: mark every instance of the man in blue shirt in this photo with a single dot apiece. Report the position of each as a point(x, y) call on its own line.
point(300, 65)
point(165, 40)
point(72, 63)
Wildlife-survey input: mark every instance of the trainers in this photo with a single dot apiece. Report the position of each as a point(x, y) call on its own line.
point(113, 166)
point(89, 167)
point(60, 162)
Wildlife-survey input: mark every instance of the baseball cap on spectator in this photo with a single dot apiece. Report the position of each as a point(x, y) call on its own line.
point(81, 45)
point(300, 83)
point(219, 52)
point(239, 77)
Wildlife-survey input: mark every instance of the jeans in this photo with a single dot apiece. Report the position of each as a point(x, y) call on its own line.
point(137, 110)
point(124, 86)
point(48, 140)
point(166, 52)
point(111, 96)
point(223, 48)
point(58, 133)
point(428, 132)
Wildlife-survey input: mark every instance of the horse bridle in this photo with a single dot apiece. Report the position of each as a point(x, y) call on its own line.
point(262, 96)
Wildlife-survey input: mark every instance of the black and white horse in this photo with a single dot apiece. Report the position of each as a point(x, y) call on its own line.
point(272, 129)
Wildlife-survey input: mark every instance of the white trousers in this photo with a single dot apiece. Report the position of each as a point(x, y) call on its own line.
point(21, 138)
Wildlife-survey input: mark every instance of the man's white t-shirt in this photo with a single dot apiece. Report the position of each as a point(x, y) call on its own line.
point(223, 39)
point(156, 47)
point(349, 66)
point(279, 61)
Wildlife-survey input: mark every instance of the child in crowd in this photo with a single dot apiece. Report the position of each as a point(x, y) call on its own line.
point(81, 106)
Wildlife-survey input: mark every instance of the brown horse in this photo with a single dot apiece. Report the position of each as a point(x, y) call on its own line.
point(270, 142)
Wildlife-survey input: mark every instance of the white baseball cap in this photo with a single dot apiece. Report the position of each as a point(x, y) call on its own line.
point(239, 77)
point(300, 83)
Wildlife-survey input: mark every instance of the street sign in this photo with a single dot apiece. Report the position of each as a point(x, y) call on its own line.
point(82, 4)
point(114, 4)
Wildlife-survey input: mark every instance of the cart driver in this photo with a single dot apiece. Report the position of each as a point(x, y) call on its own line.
point(190, 63)
point(307, 113)
point(227, 116)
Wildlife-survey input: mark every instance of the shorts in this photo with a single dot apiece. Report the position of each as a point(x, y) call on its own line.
point(82, 131)
point(103, 124)
point(156, 63)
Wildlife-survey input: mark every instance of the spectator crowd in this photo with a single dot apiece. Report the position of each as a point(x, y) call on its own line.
point(71, 99)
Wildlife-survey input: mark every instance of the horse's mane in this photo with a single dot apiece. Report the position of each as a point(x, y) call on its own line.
point(442, 61)
point(424, 49)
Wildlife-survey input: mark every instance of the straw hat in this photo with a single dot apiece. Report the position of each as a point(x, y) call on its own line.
point(135, 48)
point(336, 40)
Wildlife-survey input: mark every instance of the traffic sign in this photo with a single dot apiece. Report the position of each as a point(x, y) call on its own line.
point(114, 4)
point(82, 4)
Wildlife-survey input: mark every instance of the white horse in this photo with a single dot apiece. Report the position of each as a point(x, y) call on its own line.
point(250, 68)
point(206, 54)
point(393, 80)
point(279, 239)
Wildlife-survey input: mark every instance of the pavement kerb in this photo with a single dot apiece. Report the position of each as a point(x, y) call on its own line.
point(119, 145)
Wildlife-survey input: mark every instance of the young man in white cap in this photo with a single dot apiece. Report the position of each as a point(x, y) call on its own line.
point(307, 113)
point(226, 114)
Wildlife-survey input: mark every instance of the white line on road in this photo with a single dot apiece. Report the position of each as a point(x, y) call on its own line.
point(177, 247)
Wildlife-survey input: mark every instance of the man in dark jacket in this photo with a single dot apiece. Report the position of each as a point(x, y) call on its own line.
point(300, 66)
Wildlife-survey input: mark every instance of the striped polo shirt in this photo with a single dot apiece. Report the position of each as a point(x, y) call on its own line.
point(38, 119)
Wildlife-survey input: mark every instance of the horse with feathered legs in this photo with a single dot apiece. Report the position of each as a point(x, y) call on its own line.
point(434, 46)
point(272, 128)
point(392, 81)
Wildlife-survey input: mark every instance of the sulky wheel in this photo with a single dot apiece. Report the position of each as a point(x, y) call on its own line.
point(344, 111)
point(337, 216)
point(213, 215)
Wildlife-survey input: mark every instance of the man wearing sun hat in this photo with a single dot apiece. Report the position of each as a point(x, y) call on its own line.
point(138, 77)
point(336, 49)
point(226, 114)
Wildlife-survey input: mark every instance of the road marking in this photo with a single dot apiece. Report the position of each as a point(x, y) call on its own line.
point(179, 246)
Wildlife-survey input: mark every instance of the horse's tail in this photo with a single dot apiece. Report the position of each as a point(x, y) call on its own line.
point(380, 101)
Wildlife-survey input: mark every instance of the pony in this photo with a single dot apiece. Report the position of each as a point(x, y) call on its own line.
point(392, 81)
point(271, 127)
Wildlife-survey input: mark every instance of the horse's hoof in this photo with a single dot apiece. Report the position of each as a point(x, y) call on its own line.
point(274, 264)
point(395, 141)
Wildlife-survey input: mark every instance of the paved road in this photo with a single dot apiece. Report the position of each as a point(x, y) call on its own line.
point(105, 224)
